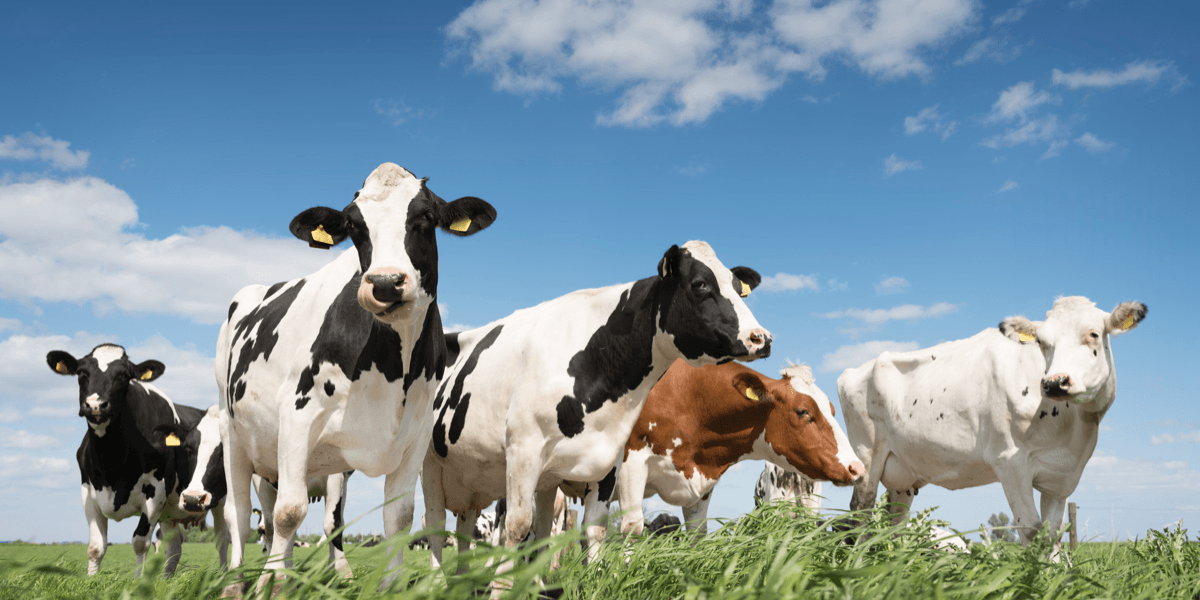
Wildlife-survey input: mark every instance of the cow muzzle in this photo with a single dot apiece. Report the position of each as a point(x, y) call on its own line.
point(1057, 386)
point(757, 343)
point(384, 291)
point(192, 501)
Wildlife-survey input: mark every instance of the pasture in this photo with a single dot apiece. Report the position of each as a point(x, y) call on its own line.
point(765, 554)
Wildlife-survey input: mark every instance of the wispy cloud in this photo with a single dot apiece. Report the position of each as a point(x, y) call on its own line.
point(838, 286)
point(1000, 50)
point(929, 118)
point(1192, 437)
point(25, 440)
point(693, 170)
point(395, 112)
point(1148, 72)
point(1008, 185)
point(784, 282)
point(904, 312)
point(43, 147)
point(1017, 101)
point(892, 285)
point(1009, 16)
point(893, 165)
point(1093, 144)
point(847, 357)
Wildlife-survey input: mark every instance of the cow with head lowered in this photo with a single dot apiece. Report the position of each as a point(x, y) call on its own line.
point(1020, 404)
point(337, 370)
point(129, 465)
point(550, 393)
point(699, 422)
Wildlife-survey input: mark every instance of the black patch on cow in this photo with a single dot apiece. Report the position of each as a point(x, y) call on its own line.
point(607, 484)
point(456, 400)
point(232, 307)
point(700, 318)
point(143, 527)
point(302, 401)
point(420, 242)
point(336, 541)
point(429, 351)
point(274, 288)
point(360, 236)
point(1043, 415)
point(914, 401)
point(148, 490)
point(263, 321)
point(329, 389)
point(451, 347)
point(1054, 411)
point(932, 357)
point(1026, 391)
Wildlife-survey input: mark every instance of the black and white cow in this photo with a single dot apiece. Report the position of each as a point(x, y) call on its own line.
point(550, 393)
point(331, 489)
point(128, 468)
point(337, 370)
point(777, 484)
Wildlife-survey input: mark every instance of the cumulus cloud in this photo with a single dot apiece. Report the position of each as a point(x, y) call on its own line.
point(43, 147)
point(17, 467)
point(929, 118)
point(680, 61)
point(1171, 438)
point(1008, 185)
point(846, 357)
point(1093, 144)
point(71, 241)
point(784, 282)
point(893, 165)
point(1017, 101)
point(1038, 131)
point(25, 440)
point(892, 285)
point(1148, 72)
point(999, 49)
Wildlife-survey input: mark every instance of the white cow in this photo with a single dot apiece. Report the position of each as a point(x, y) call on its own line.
point(336, 371)
point(1021, 405)
point(776, 484)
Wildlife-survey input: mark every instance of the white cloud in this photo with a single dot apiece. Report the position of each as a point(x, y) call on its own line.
point(693, 170)
point(893, 165)
point(681, 61)
point(905, 312)
point(838, 286)
point(929, 118)
point(1077, 3)
point(395, 112)
point(892, 285)
point(68, 241)
point(1033, 132)
point(1093, 144)
point(19, 466)
point(999, 50)
point(444, 311)
point(7, 324)
point(1017, 101)
point(1009, 16)
point(1106, 471)
point(1169, 438)
point(784, 282)
point(25, 440)
point(1148, 72)
point(8, 415)
point(846, 357)
point(1008, 185)
point(35, 147)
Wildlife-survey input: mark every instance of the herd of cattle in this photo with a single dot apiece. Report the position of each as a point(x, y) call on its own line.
point(629, 390)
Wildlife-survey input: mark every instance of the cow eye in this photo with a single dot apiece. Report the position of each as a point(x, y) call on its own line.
point(1095, 336)
point(803, 414)
point(700, 287)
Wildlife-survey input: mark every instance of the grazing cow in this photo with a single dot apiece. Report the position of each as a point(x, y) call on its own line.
point(776, 484)
point(549, 394)
point(327, 488)
point(337, 370)
point(699, 422)
point(127, 467)
point(1021, 405)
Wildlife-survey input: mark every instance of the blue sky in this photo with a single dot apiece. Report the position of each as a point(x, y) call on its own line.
point(902, 172)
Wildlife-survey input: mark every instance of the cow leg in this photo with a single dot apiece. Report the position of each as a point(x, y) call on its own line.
point(1019, 492)
point(238, 473)
point(1052, 520)
point(291, 508)
point(435, 506)
point(141, 539)
point(810, 495)
point(398, 487)
point(543, 513)
point(899, 502)
point(696, 516)
point(631, 490)
point(97, 532)
point(335, 504)
point(465, 528)
point(174, 539)
point(867, 488)
point(596, 502)
point(266, 497)
point(221, 533)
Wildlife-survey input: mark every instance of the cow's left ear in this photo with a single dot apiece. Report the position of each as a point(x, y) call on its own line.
point(750, 386)
point(1125, 317)
point(466, 216)
point(62, 362)
point(668, 266)
point(321, 226)
point(1019, 329)
point(748, 278)
point(149, 370)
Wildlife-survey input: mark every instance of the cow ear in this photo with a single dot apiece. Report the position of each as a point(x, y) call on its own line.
point(62, 362)
point(1125, 317)
point(1019, 329)
point(149, 370)
point(749, 279)
point(669, 265)
point(750, 386)
point(321, 227)
point(466, 216)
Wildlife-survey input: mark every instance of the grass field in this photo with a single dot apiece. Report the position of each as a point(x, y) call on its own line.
point(763, 555)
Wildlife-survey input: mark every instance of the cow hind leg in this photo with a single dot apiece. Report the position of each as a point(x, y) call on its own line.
point(435, 506)
point(399, 487)
point(174, 538)
point(696, 517)
point(335, 504)
point(221, 534)
point(465, 527)
point(141, 542)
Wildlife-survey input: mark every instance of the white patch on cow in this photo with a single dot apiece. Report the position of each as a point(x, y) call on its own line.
point(665, 479)
point(105, 497)
point(678, 442)
point(100, 428)
point(210, 437)
point(106, 354)
point(652, 424)
point(801, 379)
point(93, 403)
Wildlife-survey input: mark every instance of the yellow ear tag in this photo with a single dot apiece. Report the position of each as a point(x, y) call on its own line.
point(60, 367)
point(1128, 324)
point(1025, 337)
point(147, 375)
point(751, 395)
point(172, 440)
point(462, 224)
point(745, 289)
point(320, 235)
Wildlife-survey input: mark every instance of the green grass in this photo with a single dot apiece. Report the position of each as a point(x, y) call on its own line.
point(763, 555)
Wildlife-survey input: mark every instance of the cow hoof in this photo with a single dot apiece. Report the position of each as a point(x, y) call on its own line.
point(234, 590)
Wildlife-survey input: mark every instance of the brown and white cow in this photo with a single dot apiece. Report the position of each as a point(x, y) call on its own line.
point(698, 422)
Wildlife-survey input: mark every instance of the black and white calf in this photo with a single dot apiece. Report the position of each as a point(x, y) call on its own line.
point(331, 489)
point(127, 465)
point(777, 484)
point(550, 394)
point(337, 370)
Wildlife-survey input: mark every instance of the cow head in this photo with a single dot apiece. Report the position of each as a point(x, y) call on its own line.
point(104, 376)
point(391, 222)
point(801, 426)
point(204, 479)
point(1075, 340)
point(703, 307)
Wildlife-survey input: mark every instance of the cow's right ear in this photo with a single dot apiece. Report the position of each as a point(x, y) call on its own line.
point(750, 386)
point(62, 362)
point(466, 216)
point(669, 265)
point(321, 227)
point(1019, 329)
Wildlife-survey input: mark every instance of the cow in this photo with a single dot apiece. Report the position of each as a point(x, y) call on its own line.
point(331, 489)
point(126, 467)
point(774, 484)
point(663, 524)
point(336, 371)
point(1020, 404)
point(550, 393)
point(699, 422)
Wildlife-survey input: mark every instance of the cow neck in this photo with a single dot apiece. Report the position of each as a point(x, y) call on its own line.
point(645, 310)
point(121, 438)
point(1094, 411)
point(726, 433)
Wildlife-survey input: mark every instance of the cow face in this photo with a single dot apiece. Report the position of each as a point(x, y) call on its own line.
point(391, 222)
point(204, 479)
point(703, 308)
point(1075, 340)
point(104, 376)
point(801, 426)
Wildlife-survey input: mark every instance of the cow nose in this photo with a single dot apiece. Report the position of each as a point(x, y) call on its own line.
point(856, 470)
point(759, 342)
point(387, 287)
point(1056, 385)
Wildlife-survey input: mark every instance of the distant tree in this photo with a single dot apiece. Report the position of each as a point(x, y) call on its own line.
point(997, 522)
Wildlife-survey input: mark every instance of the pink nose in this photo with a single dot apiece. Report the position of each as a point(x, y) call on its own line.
point(759, 342)
point(856, 470)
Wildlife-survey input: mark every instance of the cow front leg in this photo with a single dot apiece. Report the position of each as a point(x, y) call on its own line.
point(238, 472)
point(398, 488)
point(899, 503)
point(1052, 521)
point(97, 532)
point(141, 540)
point(221, 533)
point(267, 495)
point(174, 538)
point(335, 505)
point(1019, 493)
point(543, 513)
point(435, 507)
point(596, 501)
point(465, 528)
point(696, 516)
point(631, 490)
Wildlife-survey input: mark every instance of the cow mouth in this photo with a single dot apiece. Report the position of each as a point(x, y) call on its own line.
point(390, 309)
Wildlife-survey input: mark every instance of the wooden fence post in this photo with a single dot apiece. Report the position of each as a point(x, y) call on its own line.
point(1074, 527)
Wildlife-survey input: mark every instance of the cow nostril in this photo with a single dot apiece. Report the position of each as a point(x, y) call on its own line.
point(856, 469)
